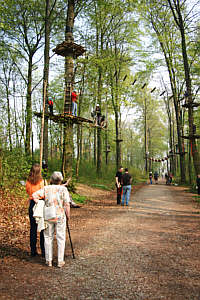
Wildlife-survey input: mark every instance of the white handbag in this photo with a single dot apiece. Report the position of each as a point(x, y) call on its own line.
point(49, 212)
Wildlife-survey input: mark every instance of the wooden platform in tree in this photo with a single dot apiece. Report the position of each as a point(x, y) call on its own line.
point(191, 105)
point(66, 48)
point(182, 153)
point(192, 136)
point(64, 118)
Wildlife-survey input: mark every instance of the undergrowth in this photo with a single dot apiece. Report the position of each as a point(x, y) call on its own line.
point(78, 198)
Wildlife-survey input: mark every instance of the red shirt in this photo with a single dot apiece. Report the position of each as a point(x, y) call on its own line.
point(50, 102)
point(74, 97)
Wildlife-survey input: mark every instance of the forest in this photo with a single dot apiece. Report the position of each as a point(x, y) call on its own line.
point(138, 60)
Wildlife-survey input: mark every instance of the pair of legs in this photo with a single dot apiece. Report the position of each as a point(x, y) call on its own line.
point(33, 233)
point(126, 194)
point(74, 108)
point(60, 229)
point(51, 109)
point(119, 195)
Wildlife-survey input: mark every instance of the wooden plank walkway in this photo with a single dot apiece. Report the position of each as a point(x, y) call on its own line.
point(65, 117)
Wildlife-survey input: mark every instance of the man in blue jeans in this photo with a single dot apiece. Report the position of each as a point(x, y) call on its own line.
point(126, 183)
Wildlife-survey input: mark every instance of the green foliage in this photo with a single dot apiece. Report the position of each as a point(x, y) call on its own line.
point(72, 186)
point(54, 164)
point(101, 186)
point(197, 198)
point(78, 198)
point(107, 180)
point(137, 175)
point(16, 166)
point(87, 174)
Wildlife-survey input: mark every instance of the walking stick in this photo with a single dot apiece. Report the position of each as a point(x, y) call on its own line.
point(70, 240)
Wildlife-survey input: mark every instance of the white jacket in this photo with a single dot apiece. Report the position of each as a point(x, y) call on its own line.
point(38, 214)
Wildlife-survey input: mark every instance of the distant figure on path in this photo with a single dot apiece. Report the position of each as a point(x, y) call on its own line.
point(44, 171)
point(167, 178)
point(126, 184)
point(156, 177)
point(170, 177)
point(118, 179)
point(198, 184)
point(34, 183)
point(150, 177)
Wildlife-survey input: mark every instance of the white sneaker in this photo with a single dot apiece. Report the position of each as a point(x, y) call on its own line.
point(49, 263)
point(61, 264)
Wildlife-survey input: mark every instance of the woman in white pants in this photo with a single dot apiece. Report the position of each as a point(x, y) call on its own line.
point(55, 195)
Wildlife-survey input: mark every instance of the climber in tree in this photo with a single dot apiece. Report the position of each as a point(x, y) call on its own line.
point(50, 103)
point(74, 103)
point(98, 115)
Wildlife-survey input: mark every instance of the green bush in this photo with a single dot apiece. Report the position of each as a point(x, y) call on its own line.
point(15, 166)
point(78, 198)
point(101, 186)
point(107, 179)
point(197, 198)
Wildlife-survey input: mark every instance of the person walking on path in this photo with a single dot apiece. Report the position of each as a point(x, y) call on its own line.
point(198, 184)
point(156, 177)
point(118, 179)
point(74, 103)
point(126, 184)
point(170, 177)
point(150, 177)
point(55, 195)
point(34, 183)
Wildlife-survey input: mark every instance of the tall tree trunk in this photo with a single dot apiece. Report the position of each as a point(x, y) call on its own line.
point(118, 160)
point(171, 134)
point(145, 135)
point(29, 107)
point(99, 138)
point(1, 169)
point(78, 151)
point(15, 114)
point(81, 143)
point(69, 74)
point(106, 145)
point(7, 77)
point(99, 152)
point(178, 18)
point(195, 153)
point(114, 99)
point(180, 140)
point(46, 79)
point(149, 147)
point(189, 163)
point(79, 135)
point(169, 60)
point(9, 117)
point(95, 146)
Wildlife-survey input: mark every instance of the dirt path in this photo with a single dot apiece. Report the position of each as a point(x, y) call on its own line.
point(149, 250)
